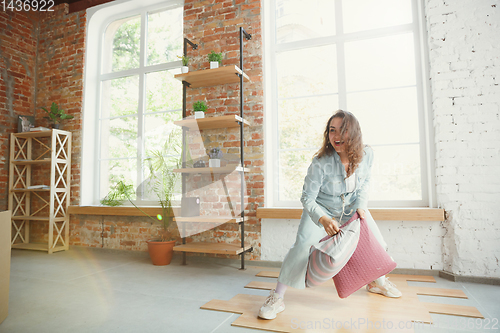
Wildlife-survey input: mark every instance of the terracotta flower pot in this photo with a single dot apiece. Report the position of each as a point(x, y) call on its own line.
point(161, 252)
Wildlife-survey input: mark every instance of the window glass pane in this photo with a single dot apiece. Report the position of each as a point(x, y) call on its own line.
point(119, 137)
point(163, 92)
point(126, 44)
point(396, 173)
point(380, 63)
point(120, 97)
point(302, 121)
point(386, 116)
point(114, 171)
point(299, 19)
point(163, 152)
point(368, 14)
point(292, 171)
point(158, 127)
point(164, 36)
point(311, 71)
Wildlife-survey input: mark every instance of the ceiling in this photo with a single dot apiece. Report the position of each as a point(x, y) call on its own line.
point(79, 5)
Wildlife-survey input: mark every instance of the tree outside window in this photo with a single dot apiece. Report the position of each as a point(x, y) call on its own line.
point(139, 97)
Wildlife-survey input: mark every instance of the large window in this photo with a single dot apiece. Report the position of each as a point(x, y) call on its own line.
point(362, 56)
point(137, 97)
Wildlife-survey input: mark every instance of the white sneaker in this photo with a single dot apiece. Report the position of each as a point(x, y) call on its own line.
point(388, 289)
point(273, 305)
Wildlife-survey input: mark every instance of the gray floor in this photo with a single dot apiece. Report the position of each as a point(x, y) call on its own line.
point(95, 290)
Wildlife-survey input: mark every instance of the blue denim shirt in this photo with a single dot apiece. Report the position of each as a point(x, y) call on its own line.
point(324, 191)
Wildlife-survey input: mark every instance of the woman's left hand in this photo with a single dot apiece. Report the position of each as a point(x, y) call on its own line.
point(361, 213)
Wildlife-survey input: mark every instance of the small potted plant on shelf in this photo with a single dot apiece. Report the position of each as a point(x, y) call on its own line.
point(199, 108)
point(163, 182)
point(215, 155)
point(56, 115)
point(185, 62)
point(215, 59)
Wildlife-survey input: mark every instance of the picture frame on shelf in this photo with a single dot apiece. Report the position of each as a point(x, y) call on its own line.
point(25, 123)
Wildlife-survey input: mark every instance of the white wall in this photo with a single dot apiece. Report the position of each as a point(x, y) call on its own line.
point(464, 46)
point(411, 244)
point(277, 236)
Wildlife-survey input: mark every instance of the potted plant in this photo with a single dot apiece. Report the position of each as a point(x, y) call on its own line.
point(215, 59)
point(163, 181)
point(56, 115)
point(199, 108)
point(185, 62)
point(215, 155)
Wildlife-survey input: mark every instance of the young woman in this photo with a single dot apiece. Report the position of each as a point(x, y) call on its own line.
point(336, 186)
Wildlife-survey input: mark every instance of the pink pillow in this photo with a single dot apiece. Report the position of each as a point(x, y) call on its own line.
point(368, 262)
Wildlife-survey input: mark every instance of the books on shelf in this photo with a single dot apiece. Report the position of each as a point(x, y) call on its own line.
point(39, 129)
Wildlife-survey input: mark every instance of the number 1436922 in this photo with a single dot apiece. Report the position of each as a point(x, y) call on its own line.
point(27, 5)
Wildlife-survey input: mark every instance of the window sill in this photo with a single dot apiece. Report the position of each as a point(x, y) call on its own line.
point(381, 214)
point(115, 211)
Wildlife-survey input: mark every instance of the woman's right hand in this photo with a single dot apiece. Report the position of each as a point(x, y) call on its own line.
point(331, 226)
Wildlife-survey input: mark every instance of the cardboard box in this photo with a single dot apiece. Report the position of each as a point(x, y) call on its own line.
point(5, 234)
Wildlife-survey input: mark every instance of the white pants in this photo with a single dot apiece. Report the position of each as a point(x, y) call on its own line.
point(293, 269)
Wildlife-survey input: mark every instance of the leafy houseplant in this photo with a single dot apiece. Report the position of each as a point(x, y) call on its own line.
point(56, 115)
point(215, 155)
point(215, 59)
point(199, 108)
point(185, 62)
point(118, 195)
point(163, 183)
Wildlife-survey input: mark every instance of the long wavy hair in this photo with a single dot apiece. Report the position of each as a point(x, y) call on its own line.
point(354, 143)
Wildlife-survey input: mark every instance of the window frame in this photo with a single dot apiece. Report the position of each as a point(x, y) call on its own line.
point(418, 28)
point(99, 18)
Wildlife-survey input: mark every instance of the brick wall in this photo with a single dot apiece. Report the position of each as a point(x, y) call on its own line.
point(18, 43)
point(113, 232)
point(41, 61)
point(465, 73)
point(60, 63)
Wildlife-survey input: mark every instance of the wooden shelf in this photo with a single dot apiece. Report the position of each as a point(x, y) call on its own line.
point(37, 134)
point(31, 162)
point(213, 77)
point(226, 169)
point(37, 247)
point(37, 218)
point(227, 121)
point(56, 190)
point(207, 78)
point(210, 219)
point(31, 190)
point(23, 147)
point(217, 248)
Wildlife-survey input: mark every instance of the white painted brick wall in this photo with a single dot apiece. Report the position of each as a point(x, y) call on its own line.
point(464, 47)
point(277, 236)
point(411, 244)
